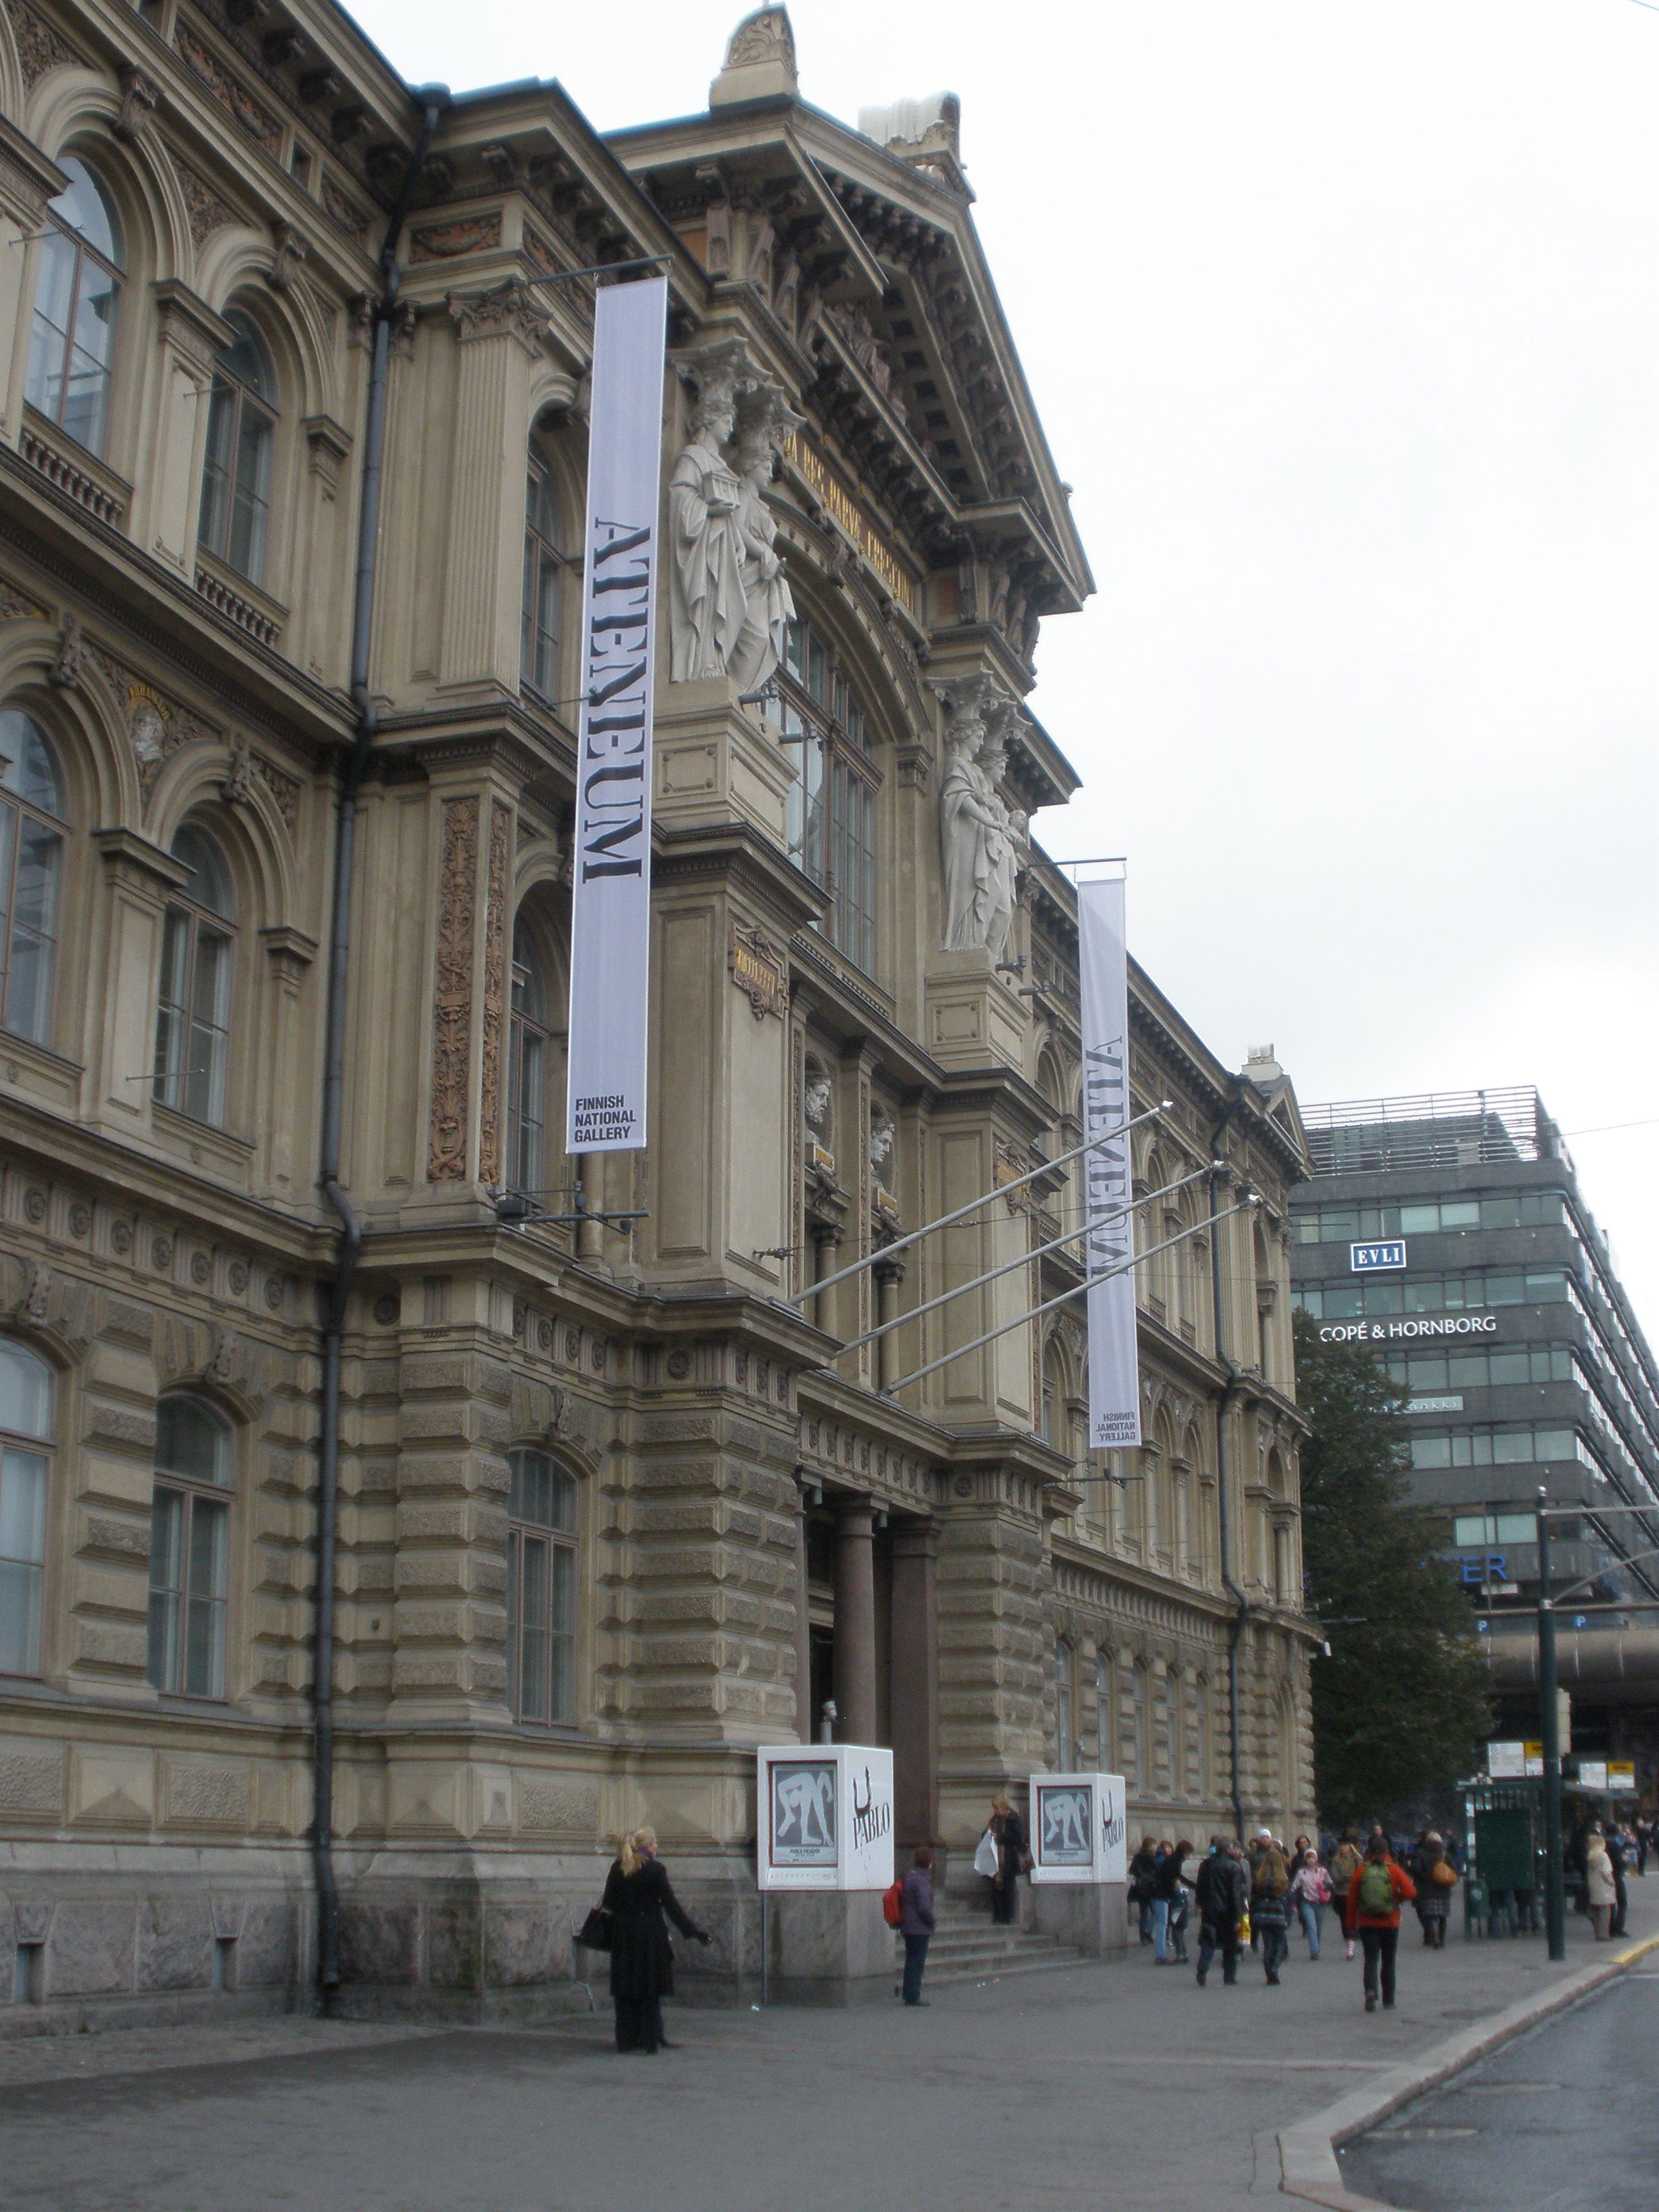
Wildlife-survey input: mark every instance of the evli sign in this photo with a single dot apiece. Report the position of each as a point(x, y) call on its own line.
point(610, 892)
point(1363, 1259)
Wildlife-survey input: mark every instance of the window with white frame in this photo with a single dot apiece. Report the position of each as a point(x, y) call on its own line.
point(188, 1548)
point(832, 799)
point(240, 434)
point(26, 1426)
point(528, 1057)
point(192, 1021)
point(541, 1589)
point(77, 296)
point(543, 568)
point(32, 828)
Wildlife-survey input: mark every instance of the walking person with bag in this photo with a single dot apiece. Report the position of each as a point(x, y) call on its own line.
point(1437, 1878)
point(1270, 1890)
point(1223, 1893)
point(1375, 1894)
point(637, 1895)
point(1012, 1861)
point(1346, 1863)
point(1310, 1893)
point(1601, 1890)
point(917, 1921)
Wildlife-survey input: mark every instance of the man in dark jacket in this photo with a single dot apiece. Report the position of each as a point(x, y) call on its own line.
point(1620, 1858)
point(1224, 1890)
point(1141, 1868)
point(917, 1921)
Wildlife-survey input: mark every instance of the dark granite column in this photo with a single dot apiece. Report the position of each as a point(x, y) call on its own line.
point(856, 1622)
point(915, 1683)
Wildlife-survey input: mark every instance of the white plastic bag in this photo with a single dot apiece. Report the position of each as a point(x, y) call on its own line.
point(986, 1859)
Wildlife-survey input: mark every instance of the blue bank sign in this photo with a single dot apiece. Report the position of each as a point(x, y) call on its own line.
point(1362, 1258)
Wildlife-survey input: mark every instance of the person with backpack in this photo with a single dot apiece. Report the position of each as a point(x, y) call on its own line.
point(1310, 1893)
point(1436, 1878)
point(1270, 1910)
point(1223, 1892)
point(1168, 1884)
point(1375, 1897)
point(1346, 1863)
point(916, 1920)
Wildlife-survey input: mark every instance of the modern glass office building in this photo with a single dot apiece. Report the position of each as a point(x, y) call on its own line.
point(1448, 1233)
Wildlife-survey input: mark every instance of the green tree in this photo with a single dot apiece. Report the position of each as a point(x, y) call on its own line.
point(1401, 1703)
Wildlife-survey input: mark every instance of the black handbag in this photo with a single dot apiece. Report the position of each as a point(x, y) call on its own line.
point(594, 1934)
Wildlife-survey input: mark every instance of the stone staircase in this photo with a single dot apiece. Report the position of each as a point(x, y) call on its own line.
point(968, 1947)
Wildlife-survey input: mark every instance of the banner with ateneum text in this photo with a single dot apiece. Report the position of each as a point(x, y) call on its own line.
point(610, 893)
point(1114, 1369)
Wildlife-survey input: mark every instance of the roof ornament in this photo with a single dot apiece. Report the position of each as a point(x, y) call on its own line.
point(925, 132)
point(760, 61)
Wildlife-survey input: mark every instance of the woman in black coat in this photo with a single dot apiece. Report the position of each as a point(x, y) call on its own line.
point(636, 1896)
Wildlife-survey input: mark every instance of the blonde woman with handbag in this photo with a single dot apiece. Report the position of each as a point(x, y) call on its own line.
point(637, 1895)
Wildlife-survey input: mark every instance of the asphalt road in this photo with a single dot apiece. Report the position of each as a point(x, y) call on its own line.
point(1561, 2119)
point(1120, 2085)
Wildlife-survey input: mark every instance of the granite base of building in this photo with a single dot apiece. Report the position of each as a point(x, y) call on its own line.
point(1093, 1915)
point(119, 1935)
point(828, 1947)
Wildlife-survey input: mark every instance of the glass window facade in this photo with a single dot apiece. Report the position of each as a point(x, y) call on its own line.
point(1370, 1298)
point(1343, 1224)
point(1483, 1371)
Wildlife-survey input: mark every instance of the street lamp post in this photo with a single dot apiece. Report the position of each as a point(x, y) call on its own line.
point(1555, 1919)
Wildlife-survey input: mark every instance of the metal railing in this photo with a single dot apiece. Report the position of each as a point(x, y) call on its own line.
point(1432, 1129)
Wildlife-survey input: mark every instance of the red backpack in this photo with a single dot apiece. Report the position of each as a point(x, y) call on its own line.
point(892, 1904)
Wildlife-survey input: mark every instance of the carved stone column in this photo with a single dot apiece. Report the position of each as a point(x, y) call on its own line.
point(856, 1622)
point(916, 1680)
point(498, 333)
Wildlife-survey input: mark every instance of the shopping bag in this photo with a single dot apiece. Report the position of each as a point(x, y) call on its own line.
point(986, 1861)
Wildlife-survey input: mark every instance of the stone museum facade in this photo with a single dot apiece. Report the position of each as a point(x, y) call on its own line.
point(293, 1258)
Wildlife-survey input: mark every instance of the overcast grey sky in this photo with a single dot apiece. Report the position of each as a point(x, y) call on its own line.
point(1343, 317)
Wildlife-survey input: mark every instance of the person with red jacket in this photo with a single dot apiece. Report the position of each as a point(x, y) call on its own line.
point(1378, 1889)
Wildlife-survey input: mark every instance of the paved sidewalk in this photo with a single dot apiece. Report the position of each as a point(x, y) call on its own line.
point(1122, 2084)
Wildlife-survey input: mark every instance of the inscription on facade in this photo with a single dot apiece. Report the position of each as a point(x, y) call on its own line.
point(839, 503)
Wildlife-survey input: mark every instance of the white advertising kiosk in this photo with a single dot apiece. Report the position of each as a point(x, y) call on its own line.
point(1079, 1842)
point(824, 1854)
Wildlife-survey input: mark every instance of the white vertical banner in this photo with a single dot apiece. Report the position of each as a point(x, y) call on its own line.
point(610, 894)
point(1108, 1175)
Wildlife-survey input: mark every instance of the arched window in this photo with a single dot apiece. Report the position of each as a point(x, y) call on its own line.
point(192, 1021)
point(541, 1587)
point(1105, 1719)
point(832, 800)
point(236, 473)
point(189, 1549)
point(529, 1049)
point(32, 827)
point(72, 339)
point(1064, 1710)
point(544, 566)
point(26, 1396)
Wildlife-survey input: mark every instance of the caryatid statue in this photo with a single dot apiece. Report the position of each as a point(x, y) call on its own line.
point(979, 836)
point(765, 420)
point(707, 607)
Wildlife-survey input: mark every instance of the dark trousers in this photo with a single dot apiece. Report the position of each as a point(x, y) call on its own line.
point(915, 1958)
point(639, 2023)
point(1622, 1906)
point(1004, 1899)
point(1275, 1945)
point(1380, 1946)
point(1221, 1936)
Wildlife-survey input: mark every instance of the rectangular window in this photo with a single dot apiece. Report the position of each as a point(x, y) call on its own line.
point(188, 1547)
point(541, 1574)
point(1419, 1220)
point(22, 1554)
point(1432, 1451)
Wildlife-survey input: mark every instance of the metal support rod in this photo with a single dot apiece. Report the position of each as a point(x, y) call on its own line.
point(1036, 1313)
point(602, 269)
point(1042, 1251)
point(1555, 1926)
point(945, 1220)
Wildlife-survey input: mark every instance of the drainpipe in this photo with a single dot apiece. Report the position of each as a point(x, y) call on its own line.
point(433, 98)
point(1224, 1515)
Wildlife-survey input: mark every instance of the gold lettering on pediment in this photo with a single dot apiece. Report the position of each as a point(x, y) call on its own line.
point(837, 501)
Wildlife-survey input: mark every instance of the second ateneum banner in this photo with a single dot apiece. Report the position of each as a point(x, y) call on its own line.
point(1107, 1174)
point(610, 892)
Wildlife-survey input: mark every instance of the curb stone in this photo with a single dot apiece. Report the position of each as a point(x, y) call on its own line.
point(1307, 2152)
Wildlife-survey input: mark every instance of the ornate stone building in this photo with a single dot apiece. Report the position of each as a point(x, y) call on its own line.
point(606, 1509)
